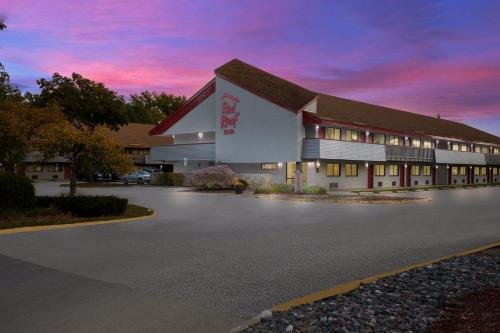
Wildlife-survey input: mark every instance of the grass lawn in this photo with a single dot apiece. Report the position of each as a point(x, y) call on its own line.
point(51, 216)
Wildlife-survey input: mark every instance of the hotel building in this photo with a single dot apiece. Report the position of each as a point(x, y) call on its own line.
point(265, 128)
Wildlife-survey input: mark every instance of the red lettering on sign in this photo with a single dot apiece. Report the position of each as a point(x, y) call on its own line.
point(229, 116)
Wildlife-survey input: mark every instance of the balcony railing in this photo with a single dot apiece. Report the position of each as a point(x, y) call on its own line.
point(492, 159)
point(138, 159)
point(341, 150)
point(409, 154)
point(458, 157)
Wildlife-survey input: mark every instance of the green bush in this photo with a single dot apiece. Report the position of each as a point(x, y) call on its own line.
point(243, 182)
point(16, 193)
point(313, 189)
point(275, 188)
point(171, 179)
point(86, 206)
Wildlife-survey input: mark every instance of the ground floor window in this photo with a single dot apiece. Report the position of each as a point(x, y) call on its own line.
point(463, 171)
point(351, 170)
point(427, 170)
point(379, 170)
point(269, 166)
point(483, 171)
point(495, 171)
point(454, 171)
point(415, 170)
point(55, 167)
point(393, 170)
point(476, 171)
point(34, 168)
point(333, 170)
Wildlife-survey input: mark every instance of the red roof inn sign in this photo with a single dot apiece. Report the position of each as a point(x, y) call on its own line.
point(229, 116)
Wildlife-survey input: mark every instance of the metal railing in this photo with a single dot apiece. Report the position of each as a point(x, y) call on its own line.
point(409, 154)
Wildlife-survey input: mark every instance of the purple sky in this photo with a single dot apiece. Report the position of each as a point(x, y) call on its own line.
point(422, 56)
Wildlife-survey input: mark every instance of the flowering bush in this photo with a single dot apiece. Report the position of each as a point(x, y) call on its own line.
point(219, 176)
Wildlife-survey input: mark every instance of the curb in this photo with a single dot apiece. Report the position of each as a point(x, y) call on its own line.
point(72, 225)
point(349, 286)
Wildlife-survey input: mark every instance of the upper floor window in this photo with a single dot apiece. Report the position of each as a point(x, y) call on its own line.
point(463, 147)
point(454, 146)
point(379, 170)
point(379, 138)
point(351, 135)
point(351, 170)
point(477, 149)
point(415, 142)
point(427, 144)
point(496, 150)
point(394, 140)
point(333, 133)
point(333, 170)
point(485, 150)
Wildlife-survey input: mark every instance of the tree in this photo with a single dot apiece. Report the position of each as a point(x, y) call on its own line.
point(2, 25)
point(86, 148)
point(8, 91)
point(85, 103)
point(20, 126)
point(151, 107)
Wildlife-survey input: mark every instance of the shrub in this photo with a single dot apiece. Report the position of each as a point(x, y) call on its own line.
point(220, 175)
point(86, 206)
point(171, 179)
point(313, 189)
point(16, 193)
point(275, 188)
point(241, 183)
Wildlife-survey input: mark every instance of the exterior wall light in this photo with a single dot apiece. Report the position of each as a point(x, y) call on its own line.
point(447, 167)
point(310, 164)
point(280, 164)
point(367, 133)
point(406, 166)
point(317, 127)
point(317, 164)
point(437, 166)
point(200, 135)
point(366, 164)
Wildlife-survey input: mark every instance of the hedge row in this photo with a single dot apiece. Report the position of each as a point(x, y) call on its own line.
point(85, 206)
point(171, 179)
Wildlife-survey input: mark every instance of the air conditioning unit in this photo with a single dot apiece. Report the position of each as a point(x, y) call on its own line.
point(426, 182)
point(415, 182)
point(454, 181)
point(334, 186)
point(393, 183)
point(379, 184)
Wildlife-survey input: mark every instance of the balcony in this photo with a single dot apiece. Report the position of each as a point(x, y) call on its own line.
point(492, 159)
point(342, 150)
point(458, 157)
point(138, 159)
point(179, 152)
point(409, 154)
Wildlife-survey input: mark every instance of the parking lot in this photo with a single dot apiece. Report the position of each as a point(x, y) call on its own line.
point(208, 262)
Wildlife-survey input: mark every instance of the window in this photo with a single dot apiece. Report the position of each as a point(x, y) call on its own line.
point(379, 170)
point(495, 171)
point(496, 151)
point(351, 135)
point(427, 170)
point(454, 146)
point(333, 170)
point(415, 143)
point(394, 140)
point(486, 150)
point(333, 133)
point(55, 167)
point(269, 166)
point(463, 171)
point(463, 147)
point(476, 171)
point(427, 144)
point(379, 138)
point(483, 171)
point(415, 170)
point(477, 149)
point(454, 171)
point(393, 170)
point(34, 168)
point(351, 170)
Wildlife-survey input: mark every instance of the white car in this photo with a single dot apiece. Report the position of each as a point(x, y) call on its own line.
point(138, 177)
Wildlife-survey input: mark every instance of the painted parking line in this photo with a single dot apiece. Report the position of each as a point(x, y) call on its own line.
point(72, 225)
point(349, 286)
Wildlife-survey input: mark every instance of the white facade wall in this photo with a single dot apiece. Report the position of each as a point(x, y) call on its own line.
point(264, 132)
point(320, 178)
point(188, 138)
point(200, 119)
point(191, 166)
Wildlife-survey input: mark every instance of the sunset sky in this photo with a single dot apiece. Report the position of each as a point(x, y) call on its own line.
point(422, 56)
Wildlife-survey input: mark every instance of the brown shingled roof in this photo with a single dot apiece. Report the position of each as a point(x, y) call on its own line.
point(137, 135)
point(264, 84)
point(294, 97)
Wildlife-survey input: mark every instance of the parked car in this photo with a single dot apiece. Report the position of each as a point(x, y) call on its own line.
point(138, 177)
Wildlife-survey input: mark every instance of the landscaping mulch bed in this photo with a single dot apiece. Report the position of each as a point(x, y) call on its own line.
point(460, 294)
point(344, 198)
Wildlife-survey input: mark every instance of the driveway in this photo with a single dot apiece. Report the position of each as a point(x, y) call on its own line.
point(207, 262)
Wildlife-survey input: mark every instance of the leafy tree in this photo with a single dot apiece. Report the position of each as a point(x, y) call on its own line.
point(151, 107)
point(20, 126)
point(2, 25)
point(97, 148)
point(85, 103)
point(8, 91)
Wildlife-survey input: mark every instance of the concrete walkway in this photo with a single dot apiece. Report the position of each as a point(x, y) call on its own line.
point(209, 261)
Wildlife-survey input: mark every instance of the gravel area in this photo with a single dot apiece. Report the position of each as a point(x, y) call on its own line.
point(407, 302)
